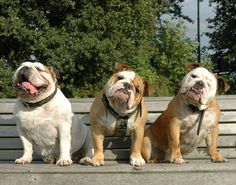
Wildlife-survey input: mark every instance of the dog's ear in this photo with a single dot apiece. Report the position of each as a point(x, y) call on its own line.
point(55, 72)
point(191, 66)
point(222, 85)
point(121, 67)
point(148, 88)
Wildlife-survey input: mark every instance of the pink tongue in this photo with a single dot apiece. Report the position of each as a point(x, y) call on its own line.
point(29, 87)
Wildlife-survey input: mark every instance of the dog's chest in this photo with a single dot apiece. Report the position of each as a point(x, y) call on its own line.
point(40, 129)
point(110, 123)
point(189, 139)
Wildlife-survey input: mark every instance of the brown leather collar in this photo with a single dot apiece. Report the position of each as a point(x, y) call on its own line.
point(40, 103)
point(121, 121)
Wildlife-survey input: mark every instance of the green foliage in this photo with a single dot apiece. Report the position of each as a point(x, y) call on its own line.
point(223, 40)
point(6, 84)
point(83, 39)
point(174, 50)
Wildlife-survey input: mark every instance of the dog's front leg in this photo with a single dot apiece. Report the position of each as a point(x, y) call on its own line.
point(28, 149)
point(88, 148)
point(211, 141)
point(65, 145)
point(174, 142)
point(98, 138)
point(136, 158)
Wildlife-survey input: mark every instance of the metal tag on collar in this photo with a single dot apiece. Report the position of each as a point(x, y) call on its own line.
point(121, 126)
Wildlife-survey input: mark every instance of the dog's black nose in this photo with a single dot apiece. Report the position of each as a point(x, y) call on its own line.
point(127, 86)
point(24, 73)
point(25, 69)
point(199, 85)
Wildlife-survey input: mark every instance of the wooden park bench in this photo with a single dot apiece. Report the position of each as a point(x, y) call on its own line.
point(116, 169)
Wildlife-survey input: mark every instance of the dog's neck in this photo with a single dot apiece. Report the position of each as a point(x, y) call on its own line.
point(195, 109)
point(121, 120)
point(116, 114)
point(41, 102)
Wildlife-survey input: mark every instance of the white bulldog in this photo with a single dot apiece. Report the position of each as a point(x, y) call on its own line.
point(45, 120)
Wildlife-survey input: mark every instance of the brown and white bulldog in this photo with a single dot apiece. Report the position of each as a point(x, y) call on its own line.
point(45, 120)
point(191, 116)
point(120, 110)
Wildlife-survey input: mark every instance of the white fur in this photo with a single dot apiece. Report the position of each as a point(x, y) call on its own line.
point(37, 78)
point(51, 129)
point(189, 139)
point(210, 84)
point(128, 77)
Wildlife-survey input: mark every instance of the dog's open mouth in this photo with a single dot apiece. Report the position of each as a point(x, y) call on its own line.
point(25, 88)
point(122, 95)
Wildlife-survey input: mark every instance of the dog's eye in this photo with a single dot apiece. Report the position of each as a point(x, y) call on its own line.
point(120, 77)
point(194, 76)
point(39, 69)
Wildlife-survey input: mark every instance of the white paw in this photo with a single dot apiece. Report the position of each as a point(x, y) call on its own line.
point(64, 162)
point(137, 161)
point(85, 161)
point(24, 160)
point(178, 160)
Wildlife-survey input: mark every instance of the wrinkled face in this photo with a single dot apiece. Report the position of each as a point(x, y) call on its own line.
point(124, 91)
point(199, 87)
point(34, 81)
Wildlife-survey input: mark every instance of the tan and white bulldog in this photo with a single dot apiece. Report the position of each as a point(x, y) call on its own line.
point(120, 110)
point(45, 120)
point(191, 116)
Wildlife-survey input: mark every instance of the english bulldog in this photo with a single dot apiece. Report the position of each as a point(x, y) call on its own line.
point(45, 120)
point(191, 116)
point(120, 110)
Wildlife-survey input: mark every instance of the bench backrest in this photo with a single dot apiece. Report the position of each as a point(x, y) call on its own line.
point(117, 148)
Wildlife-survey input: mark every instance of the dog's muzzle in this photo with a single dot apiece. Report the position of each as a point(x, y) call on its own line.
point(23, 83)
point(199, 85)
point(123, 94)
point(196, 91)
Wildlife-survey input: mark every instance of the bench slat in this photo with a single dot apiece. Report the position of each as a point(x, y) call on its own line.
point(115, 142)
point(155, 104)
point(226, 117)
point(118, 154)
point(8, 131)
point(10, 143)
point(124, 154)
point(7, 119)
point(11, 131)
